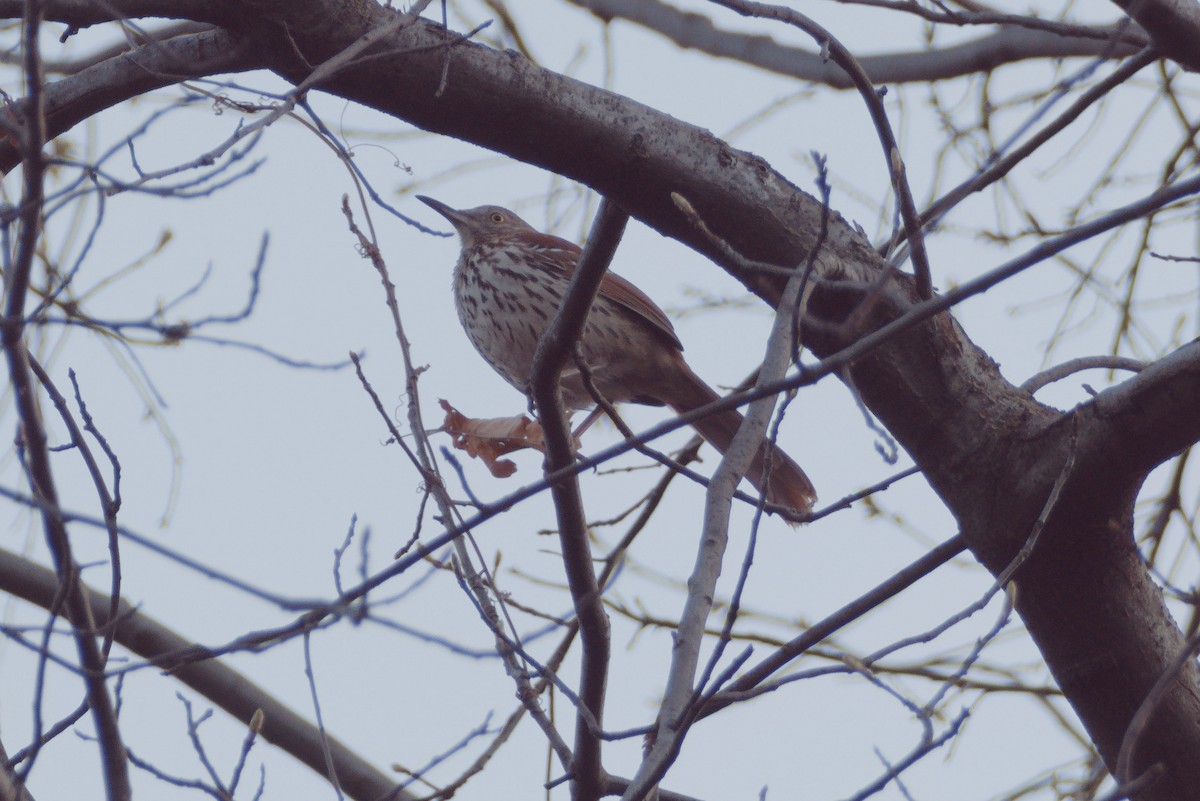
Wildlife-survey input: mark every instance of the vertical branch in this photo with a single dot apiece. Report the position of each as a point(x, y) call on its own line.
point(108, 503)
point(32, 432)
point(554, 349)
point(330, 766)
point(32, 195)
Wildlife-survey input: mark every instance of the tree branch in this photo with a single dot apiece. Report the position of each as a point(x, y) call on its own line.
point(1173, 25)
point(1009, 43)
point(32, 138)
point(1128, 430)
point(85, 13)
point(77, 97)
point(555, 347)
point(217, 682)
point(677, 710)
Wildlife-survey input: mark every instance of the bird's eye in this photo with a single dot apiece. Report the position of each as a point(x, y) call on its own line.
point(497, 217)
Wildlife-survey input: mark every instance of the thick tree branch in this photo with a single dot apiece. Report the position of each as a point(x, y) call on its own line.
point(840, 55)
point(162, 33)
point(84, 13)
point(1130, 429)
point(1173, 25)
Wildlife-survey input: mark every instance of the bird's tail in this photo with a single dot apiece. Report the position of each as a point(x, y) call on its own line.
point(782, 481)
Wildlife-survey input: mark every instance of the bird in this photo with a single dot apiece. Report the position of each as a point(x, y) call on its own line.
point(508, 283)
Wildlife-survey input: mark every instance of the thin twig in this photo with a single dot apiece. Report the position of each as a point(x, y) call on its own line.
point(1003, 166)
point(873, 99)
point(1061, 371)
point(901, 580)
point(40, 474)
point(310, 675)
point(107, 502)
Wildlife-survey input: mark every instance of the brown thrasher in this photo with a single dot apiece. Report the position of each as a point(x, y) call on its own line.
point(508, 284)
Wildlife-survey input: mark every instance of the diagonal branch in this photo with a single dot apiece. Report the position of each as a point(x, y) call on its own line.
point(217, 682)
point(989, 449)
point(77, 97)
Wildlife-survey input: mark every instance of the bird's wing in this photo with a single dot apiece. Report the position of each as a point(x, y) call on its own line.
point(561, 256)
point(620, 291)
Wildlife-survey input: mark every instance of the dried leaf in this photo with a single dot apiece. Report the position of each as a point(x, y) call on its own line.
point(490, 438)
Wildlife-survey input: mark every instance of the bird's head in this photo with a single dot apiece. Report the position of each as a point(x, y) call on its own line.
point(482, 224)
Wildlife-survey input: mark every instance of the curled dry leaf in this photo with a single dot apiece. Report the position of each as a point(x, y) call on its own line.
point(490, 438)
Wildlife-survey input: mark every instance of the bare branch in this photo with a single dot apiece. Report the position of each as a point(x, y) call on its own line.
point(223, 686)
point(84, 13)
point(1015, 38)
point(1132, 427)
point(1001, 167)
point(1061, 371)
point(33, 433)
point(680, 694)
point(852, 611)
point(75, 98)
point(554, 350)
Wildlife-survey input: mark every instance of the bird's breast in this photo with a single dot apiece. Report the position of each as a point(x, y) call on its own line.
point(504, 306)
point(505, 300)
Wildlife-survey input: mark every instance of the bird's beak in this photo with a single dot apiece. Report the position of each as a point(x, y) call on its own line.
point(453, 215)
